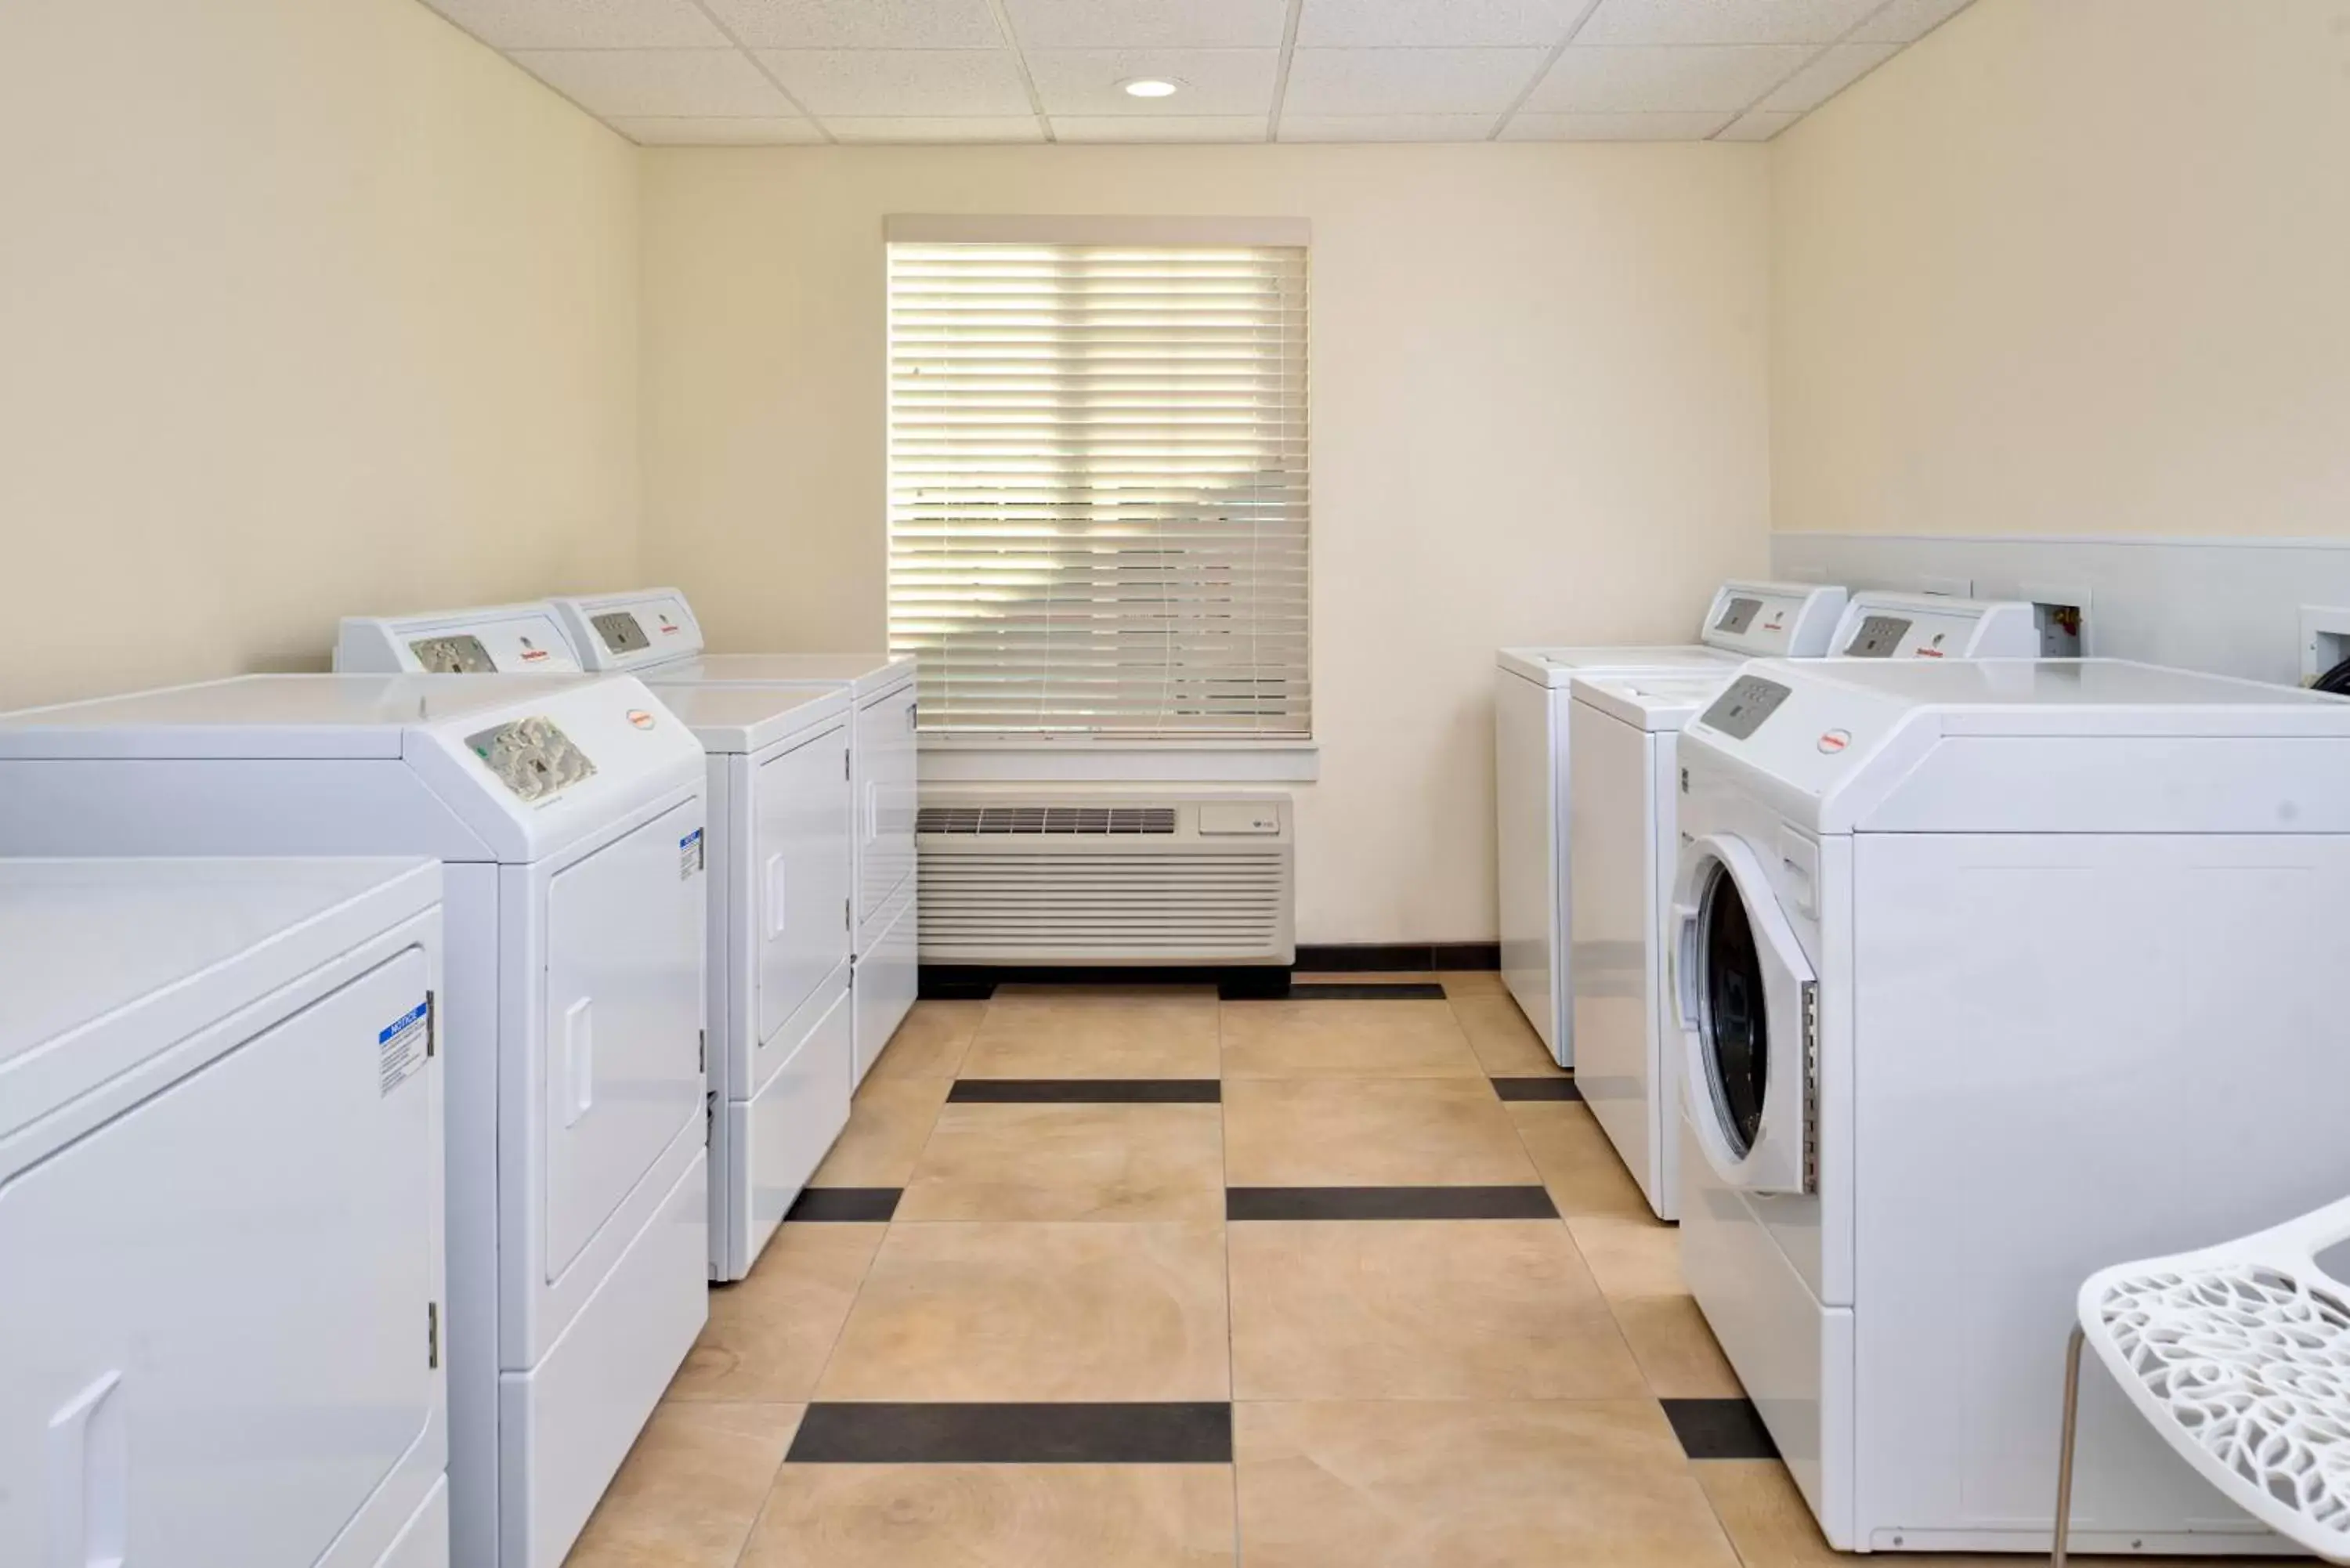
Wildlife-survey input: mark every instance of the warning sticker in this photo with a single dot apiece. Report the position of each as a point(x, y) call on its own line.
point(689, 855)
point(400, 1049)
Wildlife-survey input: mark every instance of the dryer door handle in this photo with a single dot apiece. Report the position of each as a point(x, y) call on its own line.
point(90, 1479)
point(1680, 965)
point(578, 1060)
point(778, 888)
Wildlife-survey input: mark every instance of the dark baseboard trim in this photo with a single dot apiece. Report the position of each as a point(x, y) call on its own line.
point(1365, 957)
point(976, 983)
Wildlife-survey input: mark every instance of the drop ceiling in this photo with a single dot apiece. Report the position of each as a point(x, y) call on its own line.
point(725, 72)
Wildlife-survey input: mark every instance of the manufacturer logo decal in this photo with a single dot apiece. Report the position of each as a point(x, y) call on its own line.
point(1835, 741)
point(640, 718)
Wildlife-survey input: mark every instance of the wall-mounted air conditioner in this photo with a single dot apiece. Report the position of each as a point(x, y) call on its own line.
point(1049, 878)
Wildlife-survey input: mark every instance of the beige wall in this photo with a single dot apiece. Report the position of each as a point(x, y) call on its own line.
point(307, 306)
point(2073, 267)
point(1539, 411)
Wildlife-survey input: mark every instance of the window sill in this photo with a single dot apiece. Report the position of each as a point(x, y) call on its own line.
point(969, 759)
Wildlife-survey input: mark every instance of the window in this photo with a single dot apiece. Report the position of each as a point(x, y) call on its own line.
point(1098, 476)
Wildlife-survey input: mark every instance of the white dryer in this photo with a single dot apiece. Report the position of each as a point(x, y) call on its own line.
point(220, 1214)
point(782, 1058)
point(652, 634)
point(1987, 975)
point(1531, 775)
point(568, 816)
point(1622, 735)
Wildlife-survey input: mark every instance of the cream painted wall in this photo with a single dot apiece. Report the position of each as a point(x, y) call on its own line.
point(1539, 413)
point(2068, 267)
point(306, 307)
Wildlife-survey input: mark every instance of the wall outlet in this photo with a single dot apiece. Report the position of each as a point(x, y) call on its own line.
point(2062, 612)
point(2324, 639)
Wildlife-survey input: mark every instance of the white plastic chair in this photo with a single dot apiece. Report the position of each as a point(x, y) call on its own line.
point(2240, 1355)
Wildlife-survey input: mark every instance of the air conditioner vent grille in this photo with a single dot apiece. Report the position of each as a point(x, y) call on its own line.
point(1095, 821)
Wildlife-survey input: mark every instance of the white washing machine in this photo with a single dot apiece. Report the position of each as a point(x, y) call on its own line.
point(1622, 741)
point(1987, 975)
point(221, 1212)
point(652, 634)
point(1530, 772)
point(782, 1058)
point(568, 814)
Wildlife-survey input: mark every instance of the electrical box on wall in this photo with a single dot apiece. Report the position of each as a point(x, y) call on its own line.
point(2324, 639)
point(2061, 610)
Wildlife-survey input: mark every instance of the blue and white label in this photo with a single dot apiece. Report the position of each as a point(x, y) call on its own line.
point(400, 1048)
point(689, 855)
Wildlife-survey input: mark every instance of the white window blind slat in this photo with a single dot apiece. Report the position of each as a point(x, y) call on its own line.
point(1098, 487)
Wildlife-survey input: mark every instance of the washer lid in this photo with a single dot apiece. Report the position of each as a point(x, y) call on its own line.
point(1665, 700)
point(744, 718)
point(104, 963)
point(1560, 666)
point(863, 673)
point(268, 715)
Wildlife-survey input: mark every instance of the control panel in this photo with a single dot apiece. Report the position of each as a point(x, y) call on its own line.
point(533, 757)
point(631, 631)
point(508, 640)
point(1926, 626)
point(1772, 619)
point(1739, 711)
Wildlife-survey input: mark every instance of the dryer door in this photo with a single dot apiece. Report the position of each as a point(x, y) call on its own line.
point(1748, 1003)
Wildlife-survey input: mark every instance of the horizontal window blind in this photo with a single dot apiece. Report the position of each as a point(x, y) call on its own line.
point(1098, 486)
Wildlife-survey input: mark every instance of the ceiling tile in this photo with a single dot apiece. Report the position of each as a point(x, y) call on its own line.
point(1408, 81)
point(583, 24)
point(696, 130)
point(1757, 125)
point(936, 128)
point(895, 83)
point(1381, 24)
point(860, 24)
point(1159, 127)
point(1656, 79)
point(1835, 70)
point(1722, 21)
point(1213, 81)
point(1676, 127)
point(612, 82)
point(1902, 21)
point(1147, 24)
point(1386, 127)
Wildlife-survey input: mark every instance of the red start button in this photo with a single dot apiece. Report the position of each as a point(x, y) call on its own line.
point(1835, 741)
point(640, 718)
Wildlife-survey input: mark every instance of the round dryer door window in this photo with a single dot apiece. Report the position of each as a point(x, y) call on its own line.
point(1734, 1022)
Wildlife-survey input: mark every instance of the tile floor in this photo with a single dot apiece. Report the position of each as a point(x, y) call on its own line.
point(1144, 1279)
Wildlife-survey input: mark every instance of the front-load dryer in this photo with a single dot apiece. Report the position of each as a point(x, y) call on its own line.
point(1987, 975)
point(1532, 773)
point(221, 1213)
point(652, 634)
point(568, 814)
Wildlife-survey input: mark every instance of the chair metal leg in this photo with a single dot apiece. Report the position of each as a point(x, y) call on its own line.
point(2065, 1452)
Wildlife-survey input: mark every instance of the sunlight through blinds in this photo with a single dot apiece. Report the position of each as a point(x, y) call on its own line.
point(1098, 486)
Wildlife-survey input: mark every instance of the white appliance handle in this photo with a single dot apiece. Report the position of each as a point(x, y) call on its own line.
point(578, 1060)
point(872, 810)
point(89, 1481)
point(777, 910)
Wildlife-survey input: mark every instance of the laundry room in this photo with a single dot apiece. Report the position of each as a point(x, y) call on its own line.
point(872, 784)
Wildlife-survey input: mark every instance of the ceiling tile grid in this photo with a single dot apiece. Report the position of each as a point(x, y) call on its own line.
point(753, 72)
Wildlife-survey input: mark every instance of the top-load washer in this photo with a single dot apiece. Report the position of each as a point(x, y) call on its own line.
point(1989, 974)
point(221, 1212)
point(782, 1058)
point(1530, 777)
point(568, 814)
point(652, 634)
point(1622, 735)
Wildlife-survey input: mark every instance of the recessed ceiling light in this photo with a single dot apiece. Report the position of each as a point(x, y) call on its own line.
point(1148, 86)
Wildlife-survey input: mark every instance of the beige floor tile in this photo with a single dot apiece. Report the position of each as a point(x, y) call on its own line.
point(1630, 1257)
point(1398, 1484)
point(1420, 1310)
point(1675, 1350)
point(888, 1126)
point(1472, 983)
point(996, 1516)
point(1344, 1040)
point(931, 1043)
point(1369, 1132)
point(1038, 1311)
point(768, 1336)
point(1071, 1162)
point(688, 1491)
point(1577, 1163)
point(1096, 1037)
point(1503, 1041)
